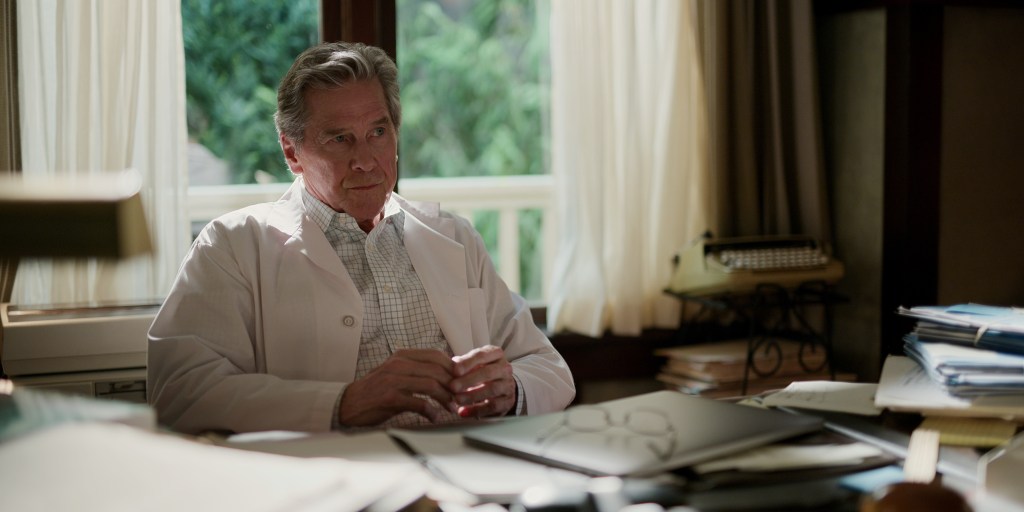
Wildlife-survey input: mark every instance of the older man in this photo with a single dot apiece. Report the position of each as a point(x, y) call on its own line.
point(342, 304)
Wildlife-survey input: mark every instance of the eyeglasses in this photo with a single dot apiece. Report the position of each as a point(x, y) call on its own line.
point(646, 427)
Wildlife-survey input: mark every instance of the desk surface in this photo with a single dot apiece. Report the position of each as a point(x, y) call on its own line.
point(62, 465)
point(459, 473)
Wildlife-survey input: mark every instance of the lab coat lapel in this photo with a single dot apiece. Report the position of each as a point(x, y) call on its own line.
point(303, 234)
point(337, 358)
point(440, 263)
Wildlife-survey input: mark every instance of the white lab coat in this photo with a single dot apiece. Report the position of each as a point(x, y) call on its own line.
point(263, 323)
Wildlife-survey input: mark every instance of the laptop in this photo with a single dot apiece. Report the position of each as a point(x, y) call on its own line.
point(640, 435)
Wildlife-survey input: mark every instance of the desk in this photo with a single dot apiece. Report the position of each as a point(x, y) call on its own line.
point(97, 465)
point(450, 464)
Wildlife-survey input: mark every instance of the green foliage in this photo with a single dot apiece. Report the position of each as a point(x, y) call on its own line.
point(531, 249)
point(236, 52)
point(473, 88)
point(474, 101)
point(473, 77)
point(486, 223)
point(474, 91)
point(531, 254)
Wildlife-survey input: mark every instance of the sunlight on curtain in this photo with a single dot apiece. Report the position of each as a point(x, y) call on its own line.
point(629, 160)
point(102, 88)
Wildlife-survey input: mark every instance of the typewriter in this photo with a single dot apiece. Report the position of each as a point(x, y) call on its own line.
point(738, 265)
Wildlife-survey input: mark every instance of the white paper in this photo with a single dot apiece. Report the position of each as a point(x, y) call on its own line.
point(827, 395)
point(370, 446)
point(778, 457)
point(905, 386)
point(488, 475)
point(111, 467)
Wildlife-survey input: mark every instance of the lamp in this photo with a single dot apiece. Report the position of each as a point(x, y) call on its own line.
point(93, 215)
point(97, 215)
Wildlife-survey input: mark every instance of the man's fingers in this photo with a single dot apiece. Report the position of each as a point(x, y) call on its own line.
point(483, 383)
point(402, 367)
point(487, 391)
point(497, 370)
point(416, 384)
point(433, 357)
point(482, 386)
point(359, 409)
point(496, 406)
point(400, 384)
point(475, 358)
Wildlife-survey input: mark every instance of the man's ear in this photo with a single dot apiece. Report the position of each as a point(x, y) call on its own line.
point(290, 149)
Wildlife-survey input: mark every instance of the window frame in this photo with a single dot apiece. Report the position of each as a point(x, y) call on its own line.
point(374, 23)
point(356, 21)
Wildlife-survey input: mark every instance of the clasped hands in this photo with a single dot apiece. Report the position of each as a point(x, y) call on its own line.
point(476, 384)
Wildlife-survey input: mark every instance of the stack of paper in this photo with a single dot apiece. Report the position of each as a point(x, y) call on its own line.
point(968, 371)
point(969, 349)
point(989, 327)
point(717, 370)
point(906, 386)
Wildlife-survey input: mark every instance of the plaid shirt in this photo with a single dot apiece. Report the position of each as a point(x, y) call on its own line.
point(396, 312)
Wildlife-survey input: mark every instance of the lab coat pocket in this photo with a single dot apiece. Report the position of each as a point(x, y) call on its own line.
point(478, 317)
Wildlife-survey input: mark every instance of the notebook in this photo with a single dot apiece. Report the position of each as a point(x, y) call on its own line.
point(640, 435)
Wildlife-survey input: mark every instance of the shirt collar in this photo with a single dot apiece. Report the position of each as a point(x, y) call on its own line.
point(324, 215)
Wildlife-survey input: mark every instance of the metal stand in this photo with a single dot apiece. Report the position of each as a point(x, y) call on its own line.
point(772, 312)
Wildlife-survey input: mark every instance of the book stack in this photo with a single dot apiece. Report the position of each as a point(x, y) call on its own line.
point(716, 370)
point(969, 349)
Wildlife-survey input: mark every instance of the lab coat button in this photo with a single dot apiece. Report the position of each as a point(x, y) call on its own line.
point(349, 321)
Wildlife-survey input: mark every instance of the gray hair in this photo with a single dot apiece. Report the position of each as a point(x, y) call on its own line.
point(330, 65)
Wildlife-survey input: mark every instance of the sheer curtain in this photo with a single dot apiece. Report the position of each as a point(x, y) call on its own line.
point(628, 157)
point(102, 88)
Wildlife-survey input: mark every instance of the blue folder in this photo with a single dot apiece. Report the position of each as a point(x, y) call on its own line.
point(987, 327)
point(968, 371)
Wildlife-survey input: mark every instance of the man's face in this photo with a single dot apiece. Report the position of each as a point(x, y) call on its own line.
point(349, 154)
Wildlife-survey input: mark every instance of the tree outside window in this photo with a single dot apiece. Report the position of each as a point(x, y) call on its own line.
point(474, 86)
point(236, 52)
point(475, 96)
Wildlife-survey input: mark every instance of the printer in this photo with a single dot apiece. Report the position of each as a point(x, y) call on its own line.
point(96, 351)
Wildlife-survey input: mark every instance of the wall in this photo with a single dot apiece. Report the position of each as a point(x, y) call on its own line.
point(962, 193)
point(981, 235)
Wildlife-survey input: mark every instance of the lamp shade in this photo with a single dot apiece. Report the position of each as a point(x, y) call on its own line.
point(93, 215)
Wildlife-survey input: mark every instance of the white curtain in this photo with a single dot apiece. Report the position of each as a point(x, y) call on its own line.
point(102, 88)
point(629, 160)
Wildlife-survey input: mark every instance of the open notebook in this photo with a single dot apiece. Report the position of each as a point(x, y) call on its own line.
point(640, 435)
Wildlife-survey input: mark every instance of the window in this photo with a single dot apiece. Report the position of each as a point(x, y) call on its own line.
point(474, 76)
point(474, 97)
point(236, 51)
point(474, 88)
